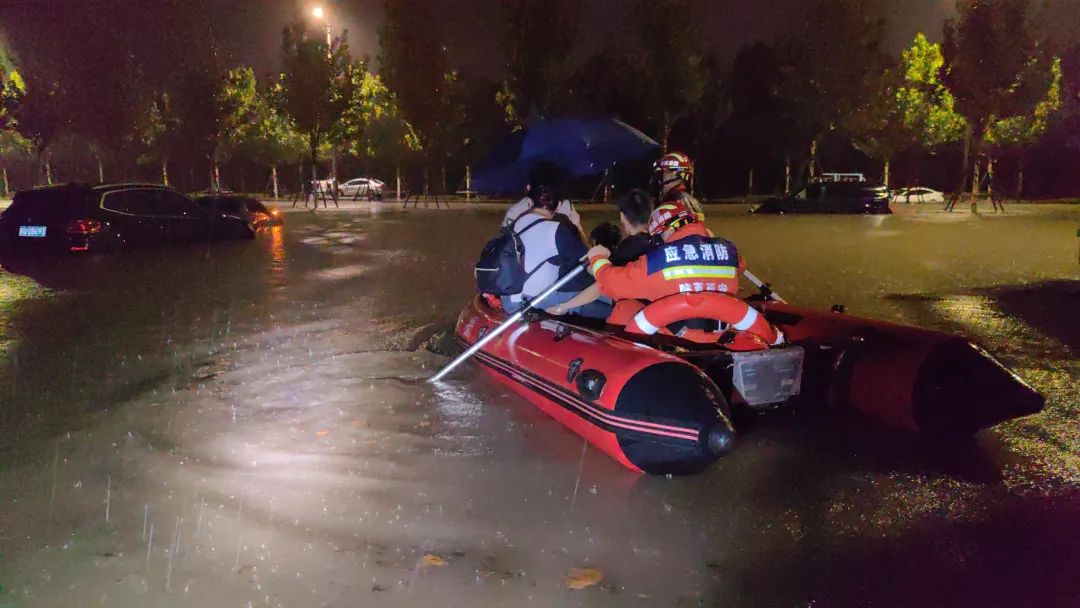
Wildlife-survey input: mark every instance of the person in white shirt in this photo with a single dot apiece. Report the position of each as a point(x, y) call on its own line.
point(553, 247)
point(521, 207)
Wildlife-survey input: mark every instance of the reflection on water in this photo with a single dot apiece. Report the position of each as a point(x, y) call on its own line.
point(258, 431)
point(277, 249)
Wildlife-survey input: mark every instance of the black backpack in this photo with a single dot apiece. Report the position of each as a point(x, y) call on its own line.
point(500, 271)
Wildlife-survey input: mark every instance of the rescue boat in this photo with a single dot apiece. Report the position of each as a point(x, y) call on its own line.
point(661, 404)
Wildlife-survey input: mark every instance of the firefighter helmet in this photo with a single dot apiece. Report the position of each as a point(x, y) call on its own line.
point(675, 162)
point(671, 216)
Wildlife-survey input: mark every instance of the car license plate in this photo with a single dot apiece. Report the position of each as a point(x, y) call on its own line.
point(36, 232)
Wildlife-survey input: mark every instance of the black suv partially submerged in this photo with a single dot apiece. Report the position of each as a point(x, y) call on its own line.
point(830, 197)
point(81, 218)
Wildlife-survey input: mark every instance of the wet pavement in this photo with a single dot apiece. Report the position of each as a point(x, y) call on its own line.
point(247, 425)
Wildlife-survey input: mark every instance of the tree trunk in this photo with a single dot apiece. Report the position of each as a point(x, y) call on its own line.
point(273, 180)
point(966, 159)
point(100, 170)
point(3, 171)
point(885, 175)
point(468, 182)
point(427, 185)
point(813, 158)
point(442, 169)
point(1020, 180)
point(990, 177)
point(333, 164)
point(397, 176)
point(974, 179)
point(217, 177)
point(787, 174)
point(974, 184)
point(750, 183)
point(165, 171)
point(48, 171)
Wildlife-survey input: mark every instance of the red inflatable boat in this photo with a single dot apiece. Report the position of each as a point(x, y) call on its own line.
point(661, 405)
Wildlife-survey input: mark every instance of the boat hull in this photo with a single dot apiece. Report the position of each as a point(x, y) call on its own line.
point(655, 412)
point(906, 377)
point(650, 411)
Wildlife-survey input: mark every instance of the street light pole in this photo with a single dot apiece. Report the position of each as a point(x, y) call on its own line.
point(320, 15)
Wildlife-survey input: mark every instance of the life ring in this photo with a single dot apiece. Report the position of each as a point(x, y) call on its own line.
point(736, 314)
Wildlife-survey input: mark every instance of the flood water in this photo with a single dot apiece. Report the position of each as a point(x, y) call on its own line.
point(247, 425)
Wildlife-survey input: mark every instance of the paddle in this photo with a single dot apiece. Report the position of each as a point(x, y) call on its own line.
point(764, 287)
point(488, 337)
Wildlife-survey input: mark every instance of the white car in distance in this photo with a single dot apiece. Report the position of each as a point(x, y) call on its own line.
point(362, 187)
point(917, 194)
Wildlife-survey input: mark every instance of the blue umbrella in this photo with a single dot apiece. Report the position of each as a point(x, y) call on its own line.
point(577, 146)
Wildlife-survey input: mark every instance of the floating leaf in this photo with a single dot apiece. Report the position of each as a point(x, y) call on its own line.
point(322, 433)
point(430, 559)
point(580, 578)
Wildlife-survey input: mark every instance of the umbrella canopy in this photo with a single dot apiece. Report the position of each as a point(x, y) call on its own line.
point(577, 146)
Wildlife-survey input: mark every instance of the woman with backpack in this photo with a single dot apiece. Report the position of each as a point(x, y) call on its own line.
point(551, 246)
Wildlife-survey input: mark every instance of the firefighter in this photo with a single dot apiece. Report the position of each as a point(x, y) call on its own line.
point(672, 173)
point(689, 260)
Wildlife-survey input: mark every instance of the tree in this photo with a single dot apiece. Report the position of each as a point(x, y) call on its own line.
point(12, 147)
point(906, 105)
point(316, 87)
point(111, 84)
point(763, 126)
point(997, 70)
point(414, 65)
point(1063, 132)
point(672, 60)
point(1019, 132)
point(828, 64)
point(160, 133)
point(537, 58)
point(12, 144)
point(236, 103)
point(273, 138)
point(377, 129)
point(877, 126)
point(608, 83)
point(929, 108)
point(40, 116)
point(479, 127)
point(12, 88)
point(215, 109)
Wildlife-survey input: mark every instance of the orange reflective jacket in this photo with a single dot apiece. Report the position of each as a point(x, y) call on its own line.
point(692, 260)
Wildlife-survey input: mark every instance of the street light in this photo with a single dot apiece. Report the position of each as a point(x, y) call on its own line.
point(320, 15)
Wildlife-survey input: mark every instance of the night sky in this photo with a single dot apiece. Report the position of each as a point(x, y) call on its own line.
point(249, 31)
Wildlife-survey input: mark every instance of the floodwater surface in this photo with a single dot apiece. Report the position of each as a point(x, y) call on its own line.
point(247, 425)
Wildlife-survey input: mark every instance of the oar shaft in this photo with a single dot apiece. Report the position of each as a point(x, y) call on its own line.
point(761, 285)
point(488, 337)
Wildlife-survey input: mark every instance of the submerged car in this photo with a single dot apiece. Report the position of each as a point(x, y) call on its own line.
point(245, 208)
point(917, 195)
point(830, 197)
point(80, 218)
point(362, 187)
